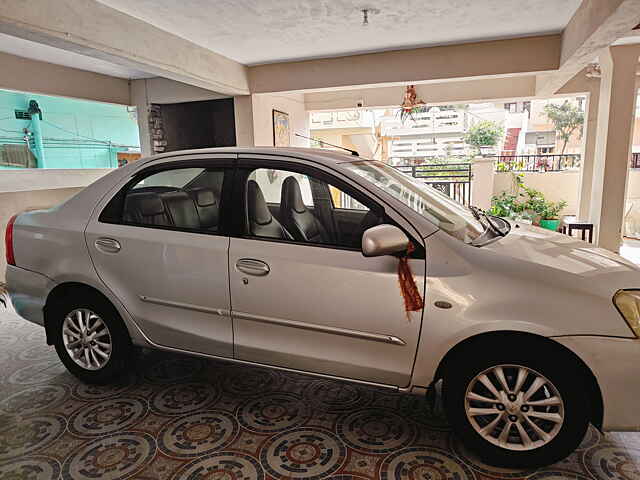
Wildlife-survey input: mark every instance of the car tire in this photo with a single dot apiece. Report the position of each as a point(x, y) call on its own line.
point(531, 440)
point(91, 338)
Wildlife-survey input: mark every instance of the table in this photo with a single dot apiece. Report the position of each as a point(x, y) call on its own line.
point(570, 223)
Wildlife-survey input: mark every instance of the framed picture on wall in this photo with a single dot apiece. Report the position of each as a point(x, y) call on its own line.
point(281, 129)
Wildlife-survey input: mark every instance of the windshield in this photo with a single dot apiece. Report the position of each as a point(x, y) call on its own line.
point(449, 215)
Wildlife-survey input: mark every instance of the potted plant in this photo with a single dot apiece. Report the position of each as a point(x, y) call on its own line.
point(549, 215)
point(505, 205)
point(533, 204)
point(527, 205)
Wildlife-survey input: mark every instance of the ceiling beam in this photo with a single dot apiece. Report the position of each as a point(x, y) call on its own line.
point(464, 61)
point(465, 91)
point(595, 25)
point(26, 75)
point(96, 30)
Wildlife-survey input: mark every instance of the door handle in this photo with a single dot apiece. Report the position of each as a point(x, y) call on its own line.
point(108, 245)
point(251, 266)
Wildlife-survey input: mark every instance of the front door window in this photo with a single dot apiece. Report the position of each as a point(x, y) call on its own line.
point(296, 207)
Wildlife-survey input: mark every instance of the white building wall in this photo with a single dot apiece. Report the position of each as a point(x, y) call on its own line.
point(292, 104)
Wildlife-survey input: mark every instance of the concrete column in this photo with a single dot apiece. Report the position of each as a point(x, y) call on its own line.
point(589, 150)
point(243, 111)
point(616, 115)
point(482, 180)
point(140, 98)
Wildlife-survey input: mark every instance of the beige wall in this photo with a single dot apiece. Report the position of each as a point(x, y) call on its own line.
point(293, 104)
point(25, 75)
point(29, 189)
point(555, 186)
point(15, 202)
point(632, 207)
point(564, 186)
point(30, 179)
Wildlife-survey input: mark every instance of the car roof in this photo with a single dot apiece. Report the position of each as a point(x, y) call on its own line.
point(327, 157)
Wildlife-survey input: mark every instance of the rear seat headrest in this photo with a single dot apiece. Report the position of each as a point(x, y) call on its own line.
point(150, 204)
point(204, 197)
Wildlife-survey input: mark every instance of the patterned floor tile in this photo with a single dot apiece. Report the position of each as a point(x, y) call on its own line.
point(177, 417)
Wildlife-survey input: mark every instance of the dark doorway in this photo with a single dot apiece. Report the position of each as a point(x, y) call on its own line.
point(204, 124)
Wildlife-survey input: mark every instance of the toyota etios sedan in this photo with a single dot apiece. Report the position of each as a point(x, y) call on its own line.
point(290, 258)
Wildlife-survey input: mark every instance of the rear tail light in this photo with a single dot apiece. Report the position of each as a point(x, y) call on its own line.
point(8, 242)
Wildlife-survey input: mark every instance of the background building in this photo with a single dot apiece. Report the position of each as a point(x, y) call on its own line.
point(67, 133)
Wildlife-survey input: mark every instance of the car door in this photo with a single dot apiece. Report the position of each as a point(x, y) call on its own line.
point(161, 246)
point(317, 306)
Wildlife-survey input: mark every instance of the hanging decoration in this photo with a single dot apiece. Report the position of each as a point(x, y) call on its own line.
point(411, 104)
point(413, 301)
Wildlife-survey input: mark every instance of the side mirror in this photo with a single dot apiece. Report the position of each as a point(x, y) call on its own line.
point(383, 240)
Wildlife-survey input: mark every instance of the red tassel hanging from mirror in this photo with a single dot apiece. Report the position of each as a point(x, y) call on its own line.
point(413, 301)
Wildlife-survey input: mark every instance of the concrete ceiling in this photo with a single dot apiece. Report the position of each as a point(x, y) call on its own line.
point(45, 53)
point(266, 31)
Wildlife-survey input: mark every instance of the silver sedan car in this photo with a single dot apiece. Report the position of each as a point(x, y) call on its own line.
point(290, 258)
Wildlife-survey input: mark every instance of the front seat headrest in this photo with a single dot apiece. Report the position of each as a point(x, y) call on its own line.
point(293, 195)
point(257, 206)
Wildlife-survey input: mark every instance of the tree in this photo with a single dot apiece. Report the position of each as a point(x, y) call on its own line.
point(485, 133)
point(566, 119)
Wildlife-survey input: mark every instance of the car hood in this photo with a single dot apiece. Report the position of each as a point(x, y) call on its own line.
point(568, 256)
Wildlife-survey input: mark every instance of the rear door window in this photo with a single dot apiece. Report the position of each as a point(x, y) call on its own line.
point(180, 198)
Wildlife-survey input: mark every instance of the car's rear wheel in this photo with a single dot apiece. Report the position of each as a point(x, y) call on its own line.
point(90, 338)
point(518, 408)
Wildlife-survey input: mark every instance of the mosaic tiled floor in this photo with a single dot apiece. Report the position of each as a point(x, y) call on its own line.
point(180, 417)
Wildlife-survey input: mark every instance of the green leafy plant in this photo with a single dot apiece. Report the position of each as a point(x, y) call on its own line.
point(502, 167)
point(533, 201)
point(552, 210)
point(526, 202)
point(566, 119)
point(505, 205)
point(485, 133)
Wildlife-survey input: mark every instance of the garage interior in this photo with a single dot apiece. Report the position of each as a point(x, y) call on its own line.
point(192, 75)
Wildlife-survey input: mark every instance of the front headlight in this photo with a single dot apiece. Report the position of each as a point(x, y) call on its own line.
point(628, 304)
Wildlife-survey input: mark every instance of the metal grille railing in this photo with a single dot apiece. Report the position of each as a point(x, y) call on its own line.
point(452, 179)
point(536, 163)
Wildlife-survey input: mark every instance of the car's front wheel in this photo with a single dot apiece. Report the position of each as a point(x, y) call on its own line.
point(91, 339)
point(521, 408)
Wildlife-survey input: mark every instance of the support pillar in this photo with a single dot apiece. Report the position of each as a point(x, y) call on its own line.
point(140, 98)
point(482, 181)
point(38, 144)
point(243, 111)
point(589, 151)
point(616, 115)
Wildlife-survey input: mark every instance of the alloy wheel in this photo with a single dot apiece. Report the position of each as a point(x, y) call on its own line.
point(86, 339)
point(514, 407)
